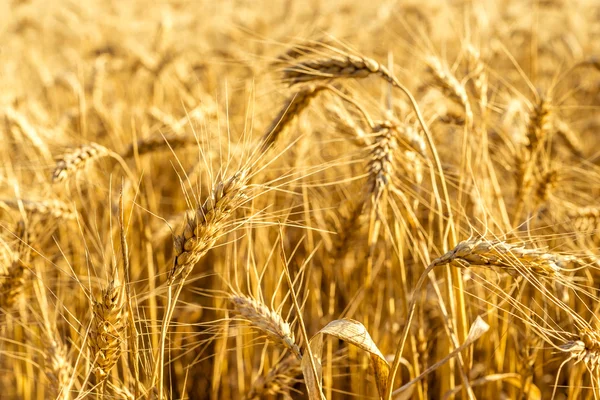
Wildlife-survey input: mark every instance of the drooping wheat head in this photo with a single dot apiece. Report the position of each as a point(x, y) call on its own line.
point(450, 86)
point(337, 66)
point(266, 320)
point(75, 160)
point(515, 259)
point(292, 108)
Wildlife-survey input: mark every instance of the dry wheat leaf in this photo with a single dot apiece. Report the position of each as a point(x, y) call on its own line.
point(352, 332)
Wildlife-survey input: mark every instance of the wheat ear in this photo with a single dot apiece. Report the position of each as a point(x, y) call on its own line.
point(513, 258)
point(569, 136)
point(57, 365)
point(381, 162)
point(538, 125)
point(77, 159)
point(279, 378)
point(11, 285)
point(54, 208)
point(479, 76)
point(202, 230)
point(449, 85)
point(266, 320)
point(337, 66)
point(586, 349)
point(107, 329)
point(292, 108)
point(159, 142)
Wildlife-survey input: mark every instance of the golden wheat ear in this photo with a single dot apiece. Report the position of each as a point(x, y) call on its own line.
point(513, 258)
point(202, 230)
point(266, 320)
point(107, 329)
point(75, 160)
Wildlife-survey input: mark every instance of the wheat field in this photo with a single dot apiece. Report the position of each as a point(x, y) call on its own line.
point(299, 200)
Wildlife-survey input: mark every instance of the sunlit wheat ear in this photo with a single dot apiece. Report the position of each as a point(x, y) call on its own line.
point(513, 258)
point(292, 108)
point(338, 66)
point(159, 142)
point(277, 381)
point(108, 329)
point(266, 320)
point(76, 160)
point(201, 231)
point(53, 208)
point(450, 86)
